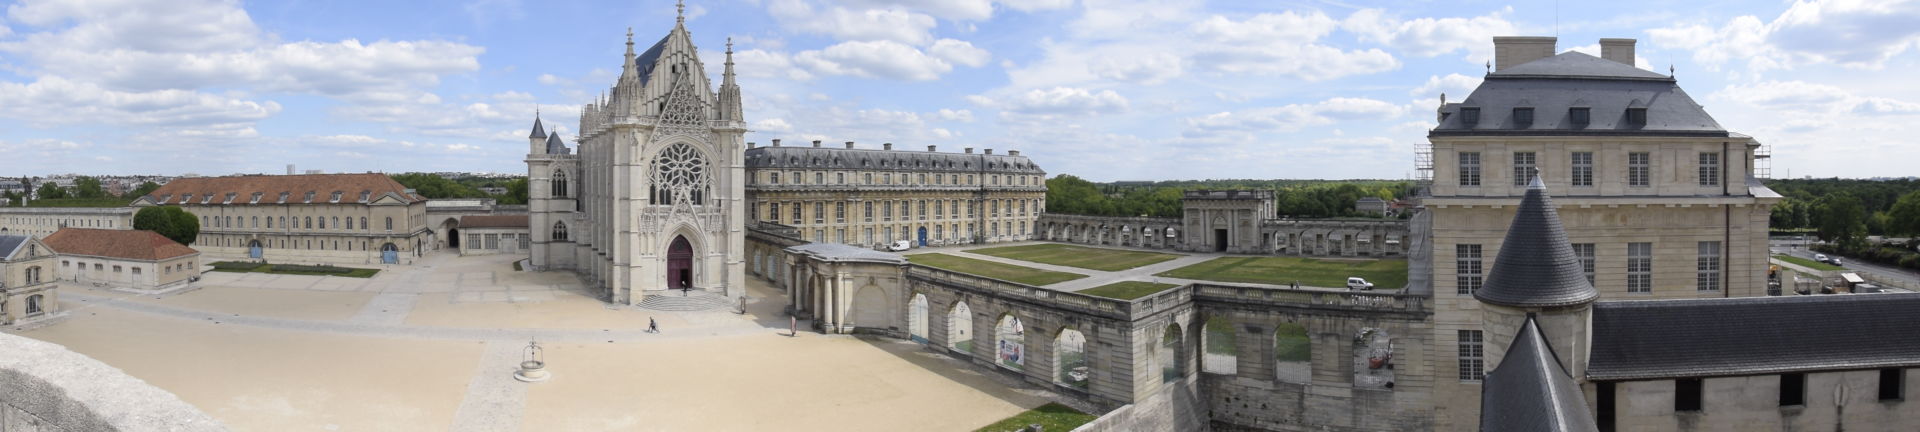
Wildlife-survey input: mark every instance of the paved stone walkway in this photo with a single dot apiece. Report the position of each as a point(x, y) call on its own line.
point(494, 400)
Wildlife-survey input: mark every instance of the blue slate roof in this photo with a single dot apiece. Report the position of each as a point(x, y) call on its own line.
point(1555, 85)
point(1536, 266)
point(11, 243)
point(1665, 339)
point(1530, 392)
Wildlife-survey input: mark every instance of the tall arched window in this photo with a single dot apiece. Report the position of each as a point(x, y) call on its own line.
point(323, 222)
point(389, 224)
point(309, 223)
point(679, 174)
point(363, 223)
point(559, 183)
point(336, 222)
point(33, 275)
point(560, 231)
point(349, 222)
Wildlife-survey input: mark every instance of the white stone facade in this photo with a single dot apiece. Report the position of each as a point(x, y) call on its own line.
point(654, 198)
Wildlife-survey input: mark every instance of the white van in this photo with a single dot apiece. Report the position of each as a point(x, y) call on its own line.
point(900, 246)
point(1359, 284)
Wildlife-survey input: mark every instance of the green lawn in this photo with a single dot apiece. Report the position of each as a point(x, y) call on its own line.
point(1127, 290)
point(1386, 274)
point(1803, 262)
point(1093, 258)
point(242, 267)
point(1050, 417)
point(1007, 272)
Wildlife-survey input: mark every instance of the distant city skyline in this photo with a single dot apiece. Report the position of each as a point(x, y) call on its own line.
point(1104, 90)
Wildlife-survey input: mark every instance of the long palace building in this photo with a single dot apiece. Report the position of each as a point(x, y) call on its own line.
point(872, 197)
point(314, 218)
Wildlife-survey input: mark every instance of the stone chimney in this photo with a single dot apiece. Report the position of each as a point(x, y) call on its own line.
point(749, 144)
point(989, 151)
point(1510, 51)
point(969, 150)
point(776, 142)
point(1013, 152)
point(932, 148)
point(849, 144)
point(886, 146)
point(1616, 49)
point(816, 143)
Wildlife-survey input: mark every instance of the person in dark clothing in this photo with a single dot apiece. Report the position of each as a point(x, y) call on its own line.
point(652, 327)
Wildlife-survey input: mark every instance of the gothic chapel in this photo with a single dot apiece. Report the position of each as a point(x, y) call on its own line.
point(653, 199)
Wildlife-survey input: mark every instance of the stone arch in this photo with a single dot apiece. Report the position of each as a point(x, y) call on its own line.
point(1372, 358)
point(960, 327)
point(1292, 353)
point(1070, 365)
point(917, 309)
point(1010, 342)
point(1170, 354)
point(1220, 353)
point(870, 308)
point(450, 230)
point(698, 259)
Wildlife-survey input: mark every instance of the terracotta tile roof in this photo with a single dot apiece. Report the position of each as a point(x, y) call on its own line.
point(281, 189)
point(495, 221)
point(124, 244)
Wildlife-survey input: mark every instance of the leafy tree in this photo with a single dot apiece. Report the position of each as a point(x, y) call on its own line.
point(516, 192)
point(49, 190)
point(1904, 218)
point(1843, 220)
point(144, 190)
point(169, 221)
point(88, 187)
point(12, 198)
point(436, 187)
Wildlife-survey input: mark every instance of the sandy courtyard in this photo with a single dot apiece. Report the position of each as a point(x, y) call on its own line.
point(432, 347)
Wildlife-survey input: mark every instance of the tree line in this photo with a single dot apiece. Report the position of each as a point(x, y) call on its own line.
point(437, 187)
point(1067, 194)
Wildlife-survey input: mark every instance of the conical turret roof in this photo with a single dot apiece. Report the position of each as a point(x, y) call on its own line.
point(1530, 391)
point(539, 131)
point(1536, 266)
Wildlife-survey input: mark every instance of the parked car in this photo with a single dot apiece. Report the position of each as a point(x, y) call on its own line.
point(1835, 261)
point(1820, 258)
point(1359, 284)
point(899, 246)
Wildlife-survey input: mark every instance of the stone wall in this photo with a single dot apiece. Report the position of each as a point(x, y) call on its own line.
point(45, 387)
point(1176, 409)
point(1834, 401)
point(1305, 237)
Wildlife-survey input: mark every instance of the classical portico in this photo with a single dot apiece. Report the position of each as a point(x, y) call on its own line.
point(846, 289)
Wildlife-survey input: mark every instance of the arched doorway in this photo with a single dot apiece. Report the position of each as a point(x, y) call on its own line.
point(917, 318)
point(453, 233)
point(680, 264)
point(389, 254)
point(254, 250)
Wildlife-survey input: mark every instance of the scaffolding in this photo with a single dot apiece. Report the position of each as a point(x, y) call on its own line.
point(1423, 162)
point(1763, 161)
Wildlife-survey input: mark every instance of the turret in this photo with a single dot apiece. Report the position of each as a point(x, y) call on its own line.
point(729, 91)
point(1538, 275)
point(536, 142)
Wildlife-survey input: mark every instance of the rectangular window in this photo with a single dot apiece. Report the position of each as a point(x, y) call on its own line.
point(1793, 389)
point(1469, 169)
point(1583, 169)
point(797, 209)
point(773, 212)
point(1710, 169)
point(1639, 169)
point(840, 212)
point(1636, 117)
point(1893, 384)
point(1472, 360)
point(1469, 115)
point(1522, 117)
point(1686, 394)
point(1587, 253)
point(1639, 267)
point(1523, 168)
point(820, 213)
point(1707, 267)
point(1466, 268)
point(1580, 117)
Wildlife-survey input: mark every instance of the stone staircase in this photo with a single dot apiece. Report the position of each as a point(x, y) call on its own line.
point(696, 300)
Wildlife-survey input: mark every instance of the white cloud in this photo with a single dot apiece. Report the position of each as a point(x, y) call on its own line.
point(1817, 101)
point(1267, 28)
point(56, 100)
point(1060, 101)
point(960, 115)
point(549, 79)
point(1457, 84)
point(892, 24)
point(1428, 37)
point(1151, 68)
point(960, 52)
point(757, 63)
point(874, 59)
point(1292, 117)
point(772, 125)
point(1853, 33)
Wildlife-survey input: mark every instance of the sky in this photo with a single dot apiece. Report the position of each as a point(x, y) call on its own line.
point(1101, 89)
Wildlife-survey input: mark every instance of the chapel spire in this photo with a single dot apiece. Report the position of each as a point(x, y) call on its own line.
point(729, 90)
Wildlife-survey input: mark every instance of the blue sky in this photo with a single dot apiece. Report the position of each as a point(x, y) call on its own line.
point(1102, 89)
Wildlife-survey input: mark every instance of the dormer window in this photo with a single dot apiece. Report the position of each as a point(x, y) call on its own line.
point(207, 199)
point(365, 194)
point(309, 199)
point(1636, 117)
point(230, 197)
point(164, 198)
point(1522, 117)
point(256, 198)
point(1469, 116)
point(186, 198)
point(336, 197)
point(1580, 117)
point(283, 197)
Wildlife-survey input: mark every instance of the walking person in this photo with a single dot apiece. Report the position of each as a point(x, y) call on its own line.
point(793, 326)
point(652, 327)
